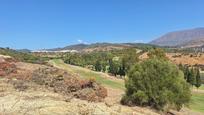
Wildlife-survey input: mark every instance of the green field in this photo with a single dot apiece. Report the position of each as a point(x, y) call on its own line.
point(201, 87)
point(87, 74)
point(197, 102)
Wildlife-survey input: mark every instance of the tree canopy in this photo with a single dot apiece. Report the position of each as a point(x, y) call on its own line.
point(158, 83)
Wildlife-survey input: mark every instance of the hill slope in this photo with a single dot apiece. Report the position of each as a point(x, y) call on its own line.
point(101, 47)
point(186, 38)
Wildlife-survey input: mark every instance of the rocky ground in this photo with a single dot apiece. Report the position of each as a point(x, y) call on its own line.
point(38, 100)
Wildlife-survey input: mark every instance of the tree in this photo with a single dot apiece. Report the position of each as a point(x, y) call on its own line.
point(98, 66)
point(181, 67)
point(192, 77)
point(103, 65)
point(114, 67)
point(129, 59)
point(158, 83)
point(121, 71)
point(110, 69)
point(186, 74)
point(157, 53)
point(198, 79)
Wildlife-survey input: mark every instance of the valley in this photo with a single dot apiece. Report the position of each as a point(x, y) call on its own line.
point(101, 57)
point(27, 84)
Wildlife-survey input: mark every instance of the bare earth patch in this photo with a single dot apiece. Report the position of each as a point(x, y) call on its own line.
point(37, 100)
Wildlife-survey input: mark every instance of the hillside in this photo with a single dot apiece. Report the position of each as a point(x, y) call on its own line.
point(24, 50)
point(179, 58)
point(100, 47)
point(61, 88)
point(115, 92)
point(40, 89)
point(183, 38)
point(194, 43)
point(91, 47)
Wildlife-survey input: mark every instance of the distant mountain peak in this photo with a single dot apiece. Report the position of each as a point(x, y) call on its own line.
point(181, 38)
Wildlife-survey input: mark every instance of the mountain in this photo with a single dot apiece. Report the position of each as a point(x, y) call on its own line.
point(71, 47)
point(183, 38)
point(24, 50)
point(98, 47)
point(90, 47)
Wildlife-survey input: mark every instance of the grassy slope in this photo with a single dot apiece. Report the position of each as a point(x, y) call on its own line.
point(202, 87)
point(87, 74)
point(197, 102)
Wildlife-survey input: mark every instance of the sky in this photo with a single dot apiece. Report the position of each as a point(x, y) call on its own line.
point(39, 24)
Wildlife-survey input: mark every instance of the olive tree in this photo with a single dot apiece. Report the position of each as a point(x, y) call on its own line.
point(158, 83)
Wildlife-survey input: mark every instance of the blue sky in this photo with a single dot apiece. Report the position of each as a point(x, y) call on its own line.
point(36, 24)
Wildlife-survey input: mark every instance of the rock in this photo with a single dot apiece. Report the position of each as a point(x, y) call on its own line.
point(109, 103)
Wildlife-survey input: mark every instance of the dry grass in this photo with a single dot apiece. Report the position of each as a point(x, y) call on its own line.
point(178, 58)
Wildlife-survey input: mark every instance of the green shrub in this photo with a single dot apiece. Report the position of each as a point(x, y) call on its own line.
point(158, 83)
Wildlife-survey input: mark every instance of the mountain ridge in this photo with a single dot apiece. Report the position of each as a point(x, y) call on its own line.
point(181, 38)
point(97, 47)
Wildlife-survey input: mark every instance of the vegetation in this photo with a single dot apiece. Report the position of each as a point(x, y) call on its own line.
point(192, 75)
point(201, 87)
point(66, 84)
point(198, 79)
point(197, 102)
point(163, 86)
point(116, 62)
point(20, 56)
point(156, 82)
point(88, 74)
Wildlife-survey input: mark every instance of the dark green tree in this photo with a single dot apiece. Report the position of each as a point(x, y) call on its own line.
point(110, 69)
point(192, 77)
point(121, 71)
point(198, 79)
point(158, 83)
point(186, 74)
point(103, 65)
point(114, 67)
point(98, 66)
point(129, 59)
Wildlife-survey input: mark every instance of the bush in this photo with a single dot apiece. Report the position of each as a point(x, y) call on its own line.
point(69, 85)
point(158, 83)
